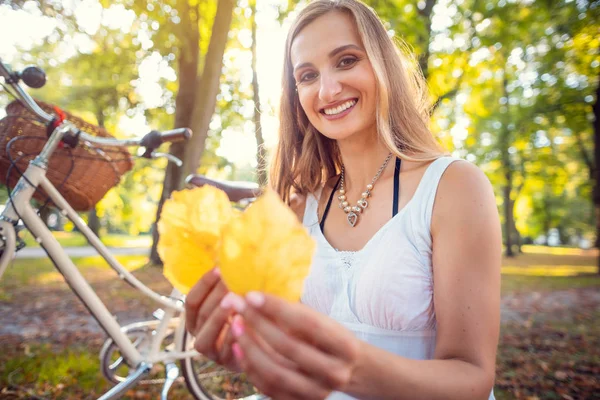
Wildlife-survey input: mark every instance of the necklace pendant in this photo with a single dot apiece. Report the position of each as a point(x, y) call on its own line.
point(352, 218)
point(363, 203)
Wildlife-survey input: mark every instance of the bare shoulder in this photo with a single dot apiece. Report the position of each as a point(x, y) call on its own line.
point(464, 193)
point(297, 204)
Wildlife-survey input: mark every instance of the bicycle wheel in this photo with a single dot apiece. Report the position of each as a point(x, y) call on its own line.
point(113, 365)
point(207, 380)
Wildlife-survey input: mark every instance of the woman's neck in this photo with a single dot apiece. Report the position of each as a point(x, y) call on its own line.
point(362, 158)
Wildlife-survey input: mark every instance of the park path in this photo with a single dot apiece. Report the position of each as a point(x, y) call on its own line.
point(86, 251)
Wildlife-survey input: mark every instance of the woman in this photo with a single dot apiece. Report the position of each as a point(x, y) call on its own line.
point(402, 301)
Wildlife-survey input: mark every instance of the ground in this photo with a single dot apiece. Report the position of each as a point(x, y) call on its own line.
point(549, 346)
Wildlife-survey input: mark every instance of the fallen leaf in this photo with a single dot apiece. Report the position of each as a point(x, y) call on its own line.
point(561, 375)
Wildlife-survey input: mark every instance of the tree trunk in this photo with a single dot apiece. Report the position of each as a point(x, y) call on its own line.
point(187, 63)
point(261, 154)
point(195, 102)
point(94, 222)
point(518, 191)
point(507, 167)
point(596, 175)
point(208, 86)
point(517, 235)
point(508, 214)
point(547, 218)
point(45, 214)
point(426, 13)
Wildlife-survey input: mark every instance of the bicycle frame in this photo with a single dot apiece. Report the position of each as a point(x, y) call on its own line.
point(19, 207)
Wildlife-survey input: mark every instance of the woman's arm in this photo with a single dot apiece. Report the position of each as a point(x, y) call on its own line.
point(466, 273)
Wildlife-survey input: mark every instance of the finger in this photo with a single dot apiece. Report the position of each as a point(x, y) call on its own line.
point(271, 378)
point(225, 353)
point(268, 349)
point(210, 304)
point(301, 321)
point(196, 296)
point(238, 304)
point(208, 334)
point(333, 372)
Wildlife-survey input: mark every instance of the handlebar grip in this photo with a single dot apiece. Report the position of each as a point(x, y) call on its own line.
point(176, 135)
point(33, 76)
point(154, 139)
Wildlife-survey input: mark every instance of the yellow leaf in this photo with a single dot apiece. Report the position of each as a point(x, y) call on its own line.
point(266, 249)
point(190, 231)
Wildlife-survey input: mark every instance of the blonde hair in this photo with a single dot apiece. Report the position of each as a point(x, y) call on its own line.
point(304, 158)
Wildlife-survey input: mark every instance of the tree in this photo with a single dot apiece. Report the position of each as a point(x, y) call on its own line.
point(596, 175)
point(196, 98)
point(261, 154)
point(94, 82)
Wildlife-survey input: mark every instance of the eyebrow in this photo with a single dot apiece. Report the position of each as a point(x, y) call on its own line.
point(332, 54)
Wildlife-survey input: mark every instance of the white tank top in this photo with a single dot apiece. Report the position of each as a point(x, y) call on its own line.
point(383, 293)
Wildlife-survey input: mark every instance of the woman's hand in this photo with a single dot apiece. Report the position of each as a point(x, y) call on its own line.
point(320, 355)
point(208, 322)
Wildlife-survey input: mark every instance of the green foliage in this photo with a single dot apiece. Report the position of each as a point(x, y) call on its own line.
point(513, 83)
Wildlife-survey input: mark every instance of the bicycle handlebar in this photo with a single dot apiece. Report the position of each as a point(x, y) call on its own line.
point(156, 138)
point(13, 79)
point(151, 141)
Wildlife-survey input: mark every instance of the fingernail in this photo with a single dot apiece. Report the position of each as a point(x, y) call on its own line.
point(237, 303)
point(237, 351)
point(217, 271)
point(226, 301)
point(257, 299)
point(237, 327)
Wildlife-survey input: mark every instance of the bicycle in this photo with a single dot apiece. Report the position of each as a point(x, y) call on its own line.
point(130, 351)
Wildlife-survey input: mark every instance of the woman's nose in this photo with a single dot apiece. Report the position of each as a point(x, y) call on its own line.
point(330, 88)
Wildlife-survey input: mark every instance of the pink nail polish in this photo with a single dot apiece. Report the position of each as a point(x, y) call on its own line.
point(237, 303)
point(237, 351)
point(226, 301)
point(217, 272)
point(257, 299)
point(237, 327)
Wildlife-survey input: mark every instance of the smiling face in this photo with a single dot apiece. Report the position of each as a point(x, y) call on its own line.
point(335, 80)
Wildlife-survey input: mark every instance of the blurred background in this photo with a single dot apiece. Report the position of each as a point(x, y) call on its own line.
point(514, 84)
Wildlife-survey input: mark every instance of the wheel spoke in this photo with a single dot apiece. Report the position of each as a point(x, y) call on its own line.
point(116, 364)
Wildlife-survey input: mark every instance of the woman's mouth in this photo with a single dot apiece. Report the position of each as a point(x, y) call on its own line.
point(340, 110)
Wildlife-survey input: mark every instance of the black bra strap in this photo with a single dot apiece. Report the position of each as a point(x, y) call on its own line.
point(322, 223)
point(396, 187)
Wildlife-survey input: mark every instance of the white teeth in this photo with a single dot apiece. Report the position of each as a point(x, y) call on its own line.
point(340, 108)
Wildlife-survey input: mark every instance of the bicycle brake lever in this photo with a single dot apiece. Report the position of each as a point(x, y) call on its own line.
point(169, 157)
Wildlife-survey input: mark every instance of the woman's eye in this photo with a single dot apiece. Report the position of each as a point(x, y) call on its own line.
point(307, 77)
point(347, 62)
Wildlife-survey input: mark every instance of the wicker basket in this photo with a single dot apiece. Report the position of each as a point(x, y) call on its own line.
point(82, 175)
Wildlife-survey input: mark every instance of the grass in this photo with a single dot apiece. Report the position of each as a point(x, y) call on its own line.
point(544, 269)
point(29, 272)
point(45, 371)
point(40, 271)
point(72, 366)
point(76, 239)
point(531, 359)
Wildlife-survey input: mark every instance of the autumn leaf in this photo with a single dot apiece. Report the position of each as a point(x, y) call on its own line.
point(190, 231)
point(266, 249)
